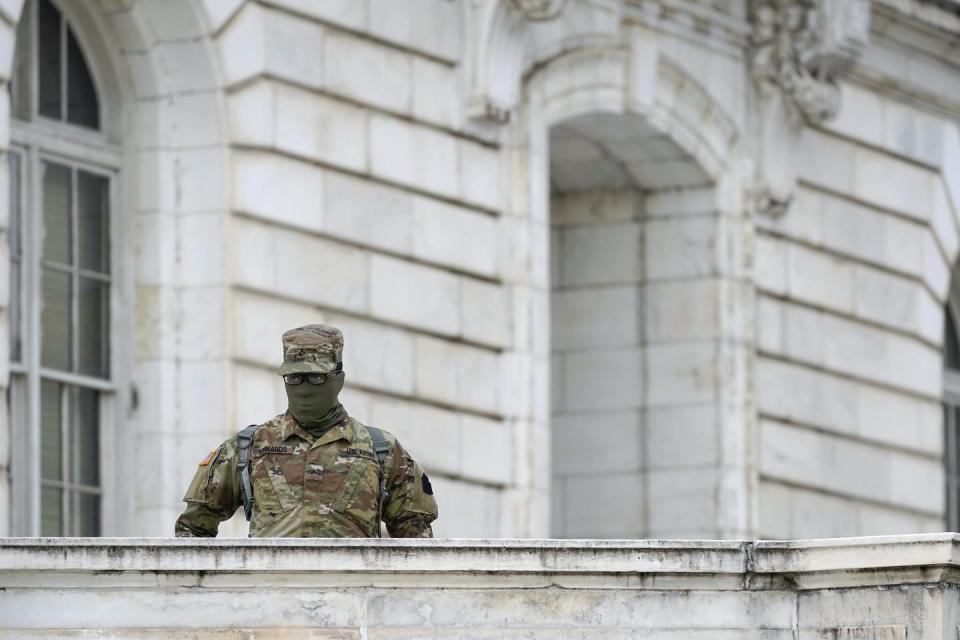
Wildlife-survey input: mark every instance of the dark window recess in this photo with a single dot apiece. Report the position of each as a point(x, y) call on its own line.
point(82, 107)
point(951, 423)
point(16, 257)
point(951, 344)
point(93, 222)
point(62, 67)
point(951, 416)
point(49, 60)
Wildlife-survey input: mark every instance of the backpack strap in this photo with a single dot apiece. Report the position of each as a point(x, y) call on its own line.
point(381, 448)
point(244, 442)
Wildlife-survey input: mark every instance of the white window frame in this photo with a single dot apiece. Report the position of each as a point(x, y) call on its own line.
point(37, 140)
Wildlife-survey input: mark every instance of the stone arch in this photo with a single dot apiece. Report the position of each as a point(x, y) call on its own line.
point(156, 65)
point(632, 86)
point(622, 82)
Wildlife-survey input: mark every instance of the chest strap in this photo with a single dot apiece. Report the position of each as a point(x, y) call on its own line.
point(381, 448)
point(244, 442)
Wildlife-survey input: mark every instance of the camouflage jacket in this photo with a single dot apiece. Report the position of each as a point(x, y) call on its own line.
point(311, 487)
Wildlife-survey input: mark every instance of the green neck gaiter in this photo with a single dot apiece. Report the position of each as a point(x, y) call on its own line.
point(315, 406)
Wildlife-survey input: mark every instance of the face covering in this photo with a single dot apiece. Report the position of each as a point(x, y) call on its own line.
point(315, 406)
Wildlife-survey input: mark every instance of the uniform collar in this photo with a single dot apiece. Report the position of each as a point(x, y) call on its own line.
point(290, 427)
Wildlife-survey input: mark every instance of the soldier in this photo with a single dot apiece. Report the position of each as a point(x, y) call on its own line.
point(313, 471)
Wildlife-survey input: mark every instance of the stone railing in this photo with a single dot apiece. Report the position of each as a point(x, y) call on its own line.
point(890, 588)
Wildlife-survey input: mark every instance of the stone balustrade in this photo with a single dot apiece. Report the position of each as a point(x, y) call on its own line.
point(887, 588)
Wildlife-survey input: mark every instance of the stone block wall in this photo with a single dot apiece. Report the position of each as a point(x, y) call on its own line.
point(361, 201)
point(398, 169)
point(766, 369)
point(851, 285)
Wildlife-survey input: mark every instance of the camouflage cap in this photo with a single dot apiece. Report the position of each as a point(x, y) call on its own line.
point(314, 347)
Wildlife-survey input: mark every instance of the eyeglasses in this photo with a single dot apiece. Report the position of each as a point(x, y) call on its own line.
point(312, 378)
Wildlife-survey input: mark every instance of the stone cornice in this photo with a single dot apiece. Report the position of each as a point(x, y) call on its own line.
point(757, 565)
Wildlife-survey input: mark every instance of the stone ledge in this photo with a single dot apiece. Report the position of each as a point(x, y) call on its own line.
point(756, 565)
point(889, 588)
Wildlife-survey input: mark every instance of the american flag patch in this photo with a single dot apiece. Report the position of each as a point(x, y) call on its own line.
point(206, 460)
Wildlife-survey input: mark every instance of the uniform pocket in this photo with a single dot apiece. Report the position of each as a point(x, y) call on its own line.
point(272, 491)
point(359, 494)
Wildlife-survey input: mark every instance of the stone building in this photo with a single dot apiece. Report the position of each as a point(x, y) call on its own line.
point(610, 268)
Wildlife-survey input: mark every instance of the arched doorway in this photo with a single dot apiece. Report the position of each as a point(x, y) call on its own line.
point(633, 320)
point(640, 422)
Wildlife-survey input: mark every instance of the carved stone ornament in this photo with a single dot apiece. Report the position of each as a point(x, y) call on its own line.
point(539, 9)
point(801, 46)
point(500, 39)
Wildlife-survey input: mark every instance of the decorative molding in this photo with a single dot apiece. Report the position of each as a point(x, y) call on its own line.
point(801, 46)
point(535, 10)
point(798, 49)
point(498, 54)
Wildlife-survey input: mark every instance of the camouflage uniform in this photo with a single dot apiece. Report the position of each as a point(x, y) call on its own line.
point(307, 486)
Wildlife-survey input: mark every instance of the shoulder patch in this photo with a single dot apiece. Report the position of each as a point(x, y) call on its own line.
point(207, 458)
point(425, 483)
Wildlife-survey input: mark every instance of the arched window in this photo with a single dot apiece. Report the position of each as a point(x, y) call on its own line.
point(62, 171)
point(951, 405)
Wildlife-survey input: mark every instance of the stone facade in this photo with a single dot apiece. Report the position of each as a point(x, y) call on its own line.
point(612, 268)
point(896, 588)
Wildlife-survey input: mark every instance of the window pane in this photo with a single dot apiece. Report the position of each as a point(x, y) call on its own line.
point(51, 438)
point(21, 82)
point(14, 236)
point(951, 345)
point(82, 108)
point(56, 213)
point(49, 62)
point(951, 503)
point(17, 401)
point(93, 224)
point(55, 335)
point(953, 466)
point(51, 512)
point(85, 437)
point(93, 324)
point(85, 513)
point(14, 233)
point(14, 311)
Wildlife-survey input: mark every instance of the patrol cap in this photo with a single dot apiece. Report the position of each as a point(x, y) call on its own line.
point(313, 347)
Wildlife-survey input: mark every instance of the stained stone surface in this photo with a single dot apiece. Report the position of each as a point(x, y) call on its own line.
point(124, 588)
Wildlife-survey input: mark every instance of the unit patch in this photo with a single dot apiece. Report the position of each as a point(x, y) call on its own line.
point(359, 453)
point(207, 458)
point(425, 484)
point(274, 449)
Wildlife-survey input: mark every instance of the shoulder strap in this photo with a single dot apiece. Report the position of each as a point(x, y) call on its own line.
point(379, 444)
point(244, 442)
point(381, 448)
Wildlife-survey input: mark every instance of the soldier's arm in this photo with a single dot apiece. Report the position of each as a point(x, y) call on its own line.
point(214, 494)
point(410, 506)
